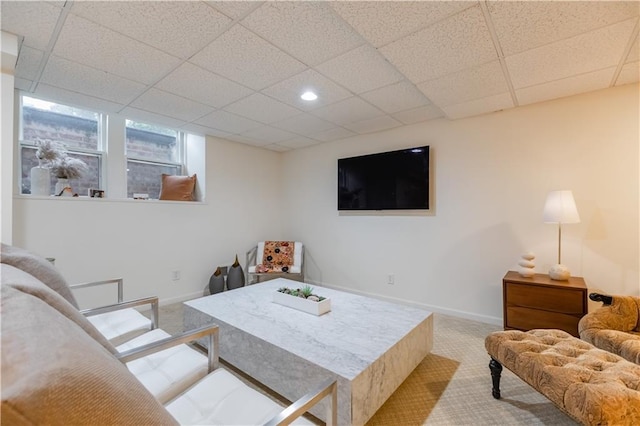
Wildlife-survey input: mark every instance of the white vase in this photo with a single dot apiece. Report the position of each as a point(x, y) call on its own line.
point(40, 181)
point(61, 184)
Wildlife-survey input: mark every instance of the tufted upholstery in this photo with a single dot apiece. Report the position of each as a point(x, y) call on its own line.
point(589, 384)
point(615, 328)
point(169, 372)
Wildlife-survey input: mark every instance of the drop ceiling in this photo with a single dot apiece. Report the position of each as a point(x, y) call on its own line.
point(236, 70)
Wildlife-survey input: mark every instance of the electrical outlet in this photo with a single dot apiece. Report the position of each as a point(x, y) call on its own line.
point(175, 275)
point(391, 279)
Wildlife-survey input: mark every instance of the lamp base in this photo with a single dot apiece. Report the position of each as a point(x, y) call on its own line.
point(559, 273)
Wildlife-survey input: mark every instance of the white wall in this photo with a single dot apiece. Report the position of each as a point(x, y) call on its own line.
point(491, 176)
point(9, 50)
point(143, 241)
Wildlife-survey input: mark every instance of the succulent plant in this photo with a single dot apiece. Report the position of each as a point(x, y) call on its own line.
point(307, 290)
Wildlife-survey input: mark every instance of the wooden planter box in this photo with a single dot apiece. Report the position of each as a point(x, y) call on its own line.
point(304, 305)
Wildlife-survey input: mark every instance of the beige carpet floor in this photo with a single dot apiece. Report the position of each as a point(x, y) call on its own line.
point(451, 386)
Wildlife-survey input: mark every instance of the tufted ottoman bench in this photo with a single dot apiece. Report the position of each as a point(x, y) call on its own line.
point(593, 386)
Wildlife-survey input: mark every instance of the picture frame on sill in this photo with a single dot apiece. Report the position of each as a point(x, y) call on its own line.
point(96, 193)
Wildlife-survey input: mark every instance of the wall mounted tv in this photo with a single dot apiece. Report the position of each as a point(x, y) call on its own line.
point(395, 180)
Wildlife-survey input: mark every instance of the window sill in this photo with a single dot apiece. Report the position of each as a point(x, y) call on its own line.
point(84, 198)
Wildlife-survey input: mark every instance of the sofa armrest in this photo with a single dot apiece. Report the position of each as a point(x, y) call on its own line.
point(621, 315)
point(188, 336)
point(153, 301)
point(327, 388)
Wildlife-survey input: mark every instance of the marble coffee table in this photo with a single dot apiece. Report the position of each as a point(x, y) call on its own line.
point(369, 346)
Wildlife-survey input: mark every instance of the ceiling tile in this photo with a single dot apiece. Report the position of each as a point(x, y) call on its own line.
point(202, 86)
point(262, 108)
point(583, 53)
point(466, 85)
point(289, 90)
point(396, 97)
point(310, 31)
point(136, 114)
point(634, 53)
point(204, 130)
point(374, 124)
point(418, 115)
point(332, 134)
point(228, 122)
point(64, 96)
point(630, 73)
point(479, 106)
point(90, 44)
point(523, 25)
point(28, 63)
point(180, 28)
point(566, 87)
point(234, 9)
point(66, 74)
point(348, 111)
point(459, 42)
point(360, 70)
point(34, 20)
point(22, 84)
point(276, 148)
point(381, 22)
point(165, 103)
point(242, 56)
point(304, 124)
point(268, 134)
point(298, 142)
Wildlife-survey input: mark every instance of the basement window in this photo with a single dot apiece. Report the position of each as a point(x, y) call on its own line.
point(77, 132)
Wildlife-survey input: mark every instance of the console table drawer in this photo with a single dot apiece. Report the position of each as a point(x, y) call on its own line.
point(551, 299)
point(527, 319)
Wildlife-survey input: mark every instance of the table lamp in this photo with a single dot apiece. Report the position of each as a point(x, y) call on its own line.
point(560, 208)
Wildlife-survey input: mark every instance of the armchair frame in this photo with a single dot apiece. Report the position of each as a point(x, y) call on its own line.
point(153, 301)
point(252, 259)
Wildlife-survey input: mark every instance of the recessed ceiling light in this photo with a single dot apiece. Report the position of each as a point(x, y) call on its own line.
point(309, 96)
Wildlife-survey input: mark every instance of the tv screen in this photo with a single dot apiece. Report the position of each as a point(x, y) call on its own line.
point(396, 180)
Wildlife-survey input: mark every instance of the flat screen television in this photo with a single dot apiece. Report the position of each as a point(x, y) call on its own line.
point(395, 180)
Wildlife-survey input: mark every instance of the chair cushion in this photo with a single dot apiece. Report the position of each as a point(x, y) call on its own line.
point(222, 399)
point(120, 326)
point(53, 373)
point(167, 373)
point(40, 268)
point(296, 268)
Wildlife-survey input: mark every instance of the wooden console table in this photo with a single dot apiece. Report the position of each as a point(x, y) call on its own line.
point(540, 302)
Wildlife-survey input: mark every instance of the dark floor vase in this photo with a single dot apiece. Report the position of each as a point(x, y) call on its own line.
point(235, 276)
point(216, 282)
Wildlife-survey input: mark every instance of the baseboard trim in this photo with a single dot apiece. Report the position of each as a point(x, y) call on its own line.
point(437, 309)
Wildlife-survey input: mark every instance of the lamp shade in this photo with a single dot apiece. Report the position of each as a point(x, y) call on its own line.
point(560, 207)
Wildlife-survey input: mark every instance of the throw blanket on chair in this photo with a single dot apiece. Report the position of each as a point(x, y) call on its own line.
point(277, 256)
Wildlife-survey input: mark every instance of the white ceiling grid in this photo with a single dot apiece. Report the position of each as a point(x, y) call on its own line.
point(236, 69)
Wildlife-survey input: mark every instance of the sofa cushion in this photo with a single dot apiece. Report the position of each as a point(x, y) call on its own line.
point(53, 373)
point(122, 325)
point(40, 268)
point(26, 283)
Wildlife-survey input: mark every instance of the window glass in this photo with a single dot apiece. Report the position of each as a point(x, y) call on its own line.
point(151, 151)
point(150, 142)
point(74, 127)
point(146, 178)
point(76, 132)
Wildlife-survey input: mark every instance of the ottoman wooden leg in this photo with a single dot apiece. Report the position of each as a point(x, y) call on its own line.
point(496, 370)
